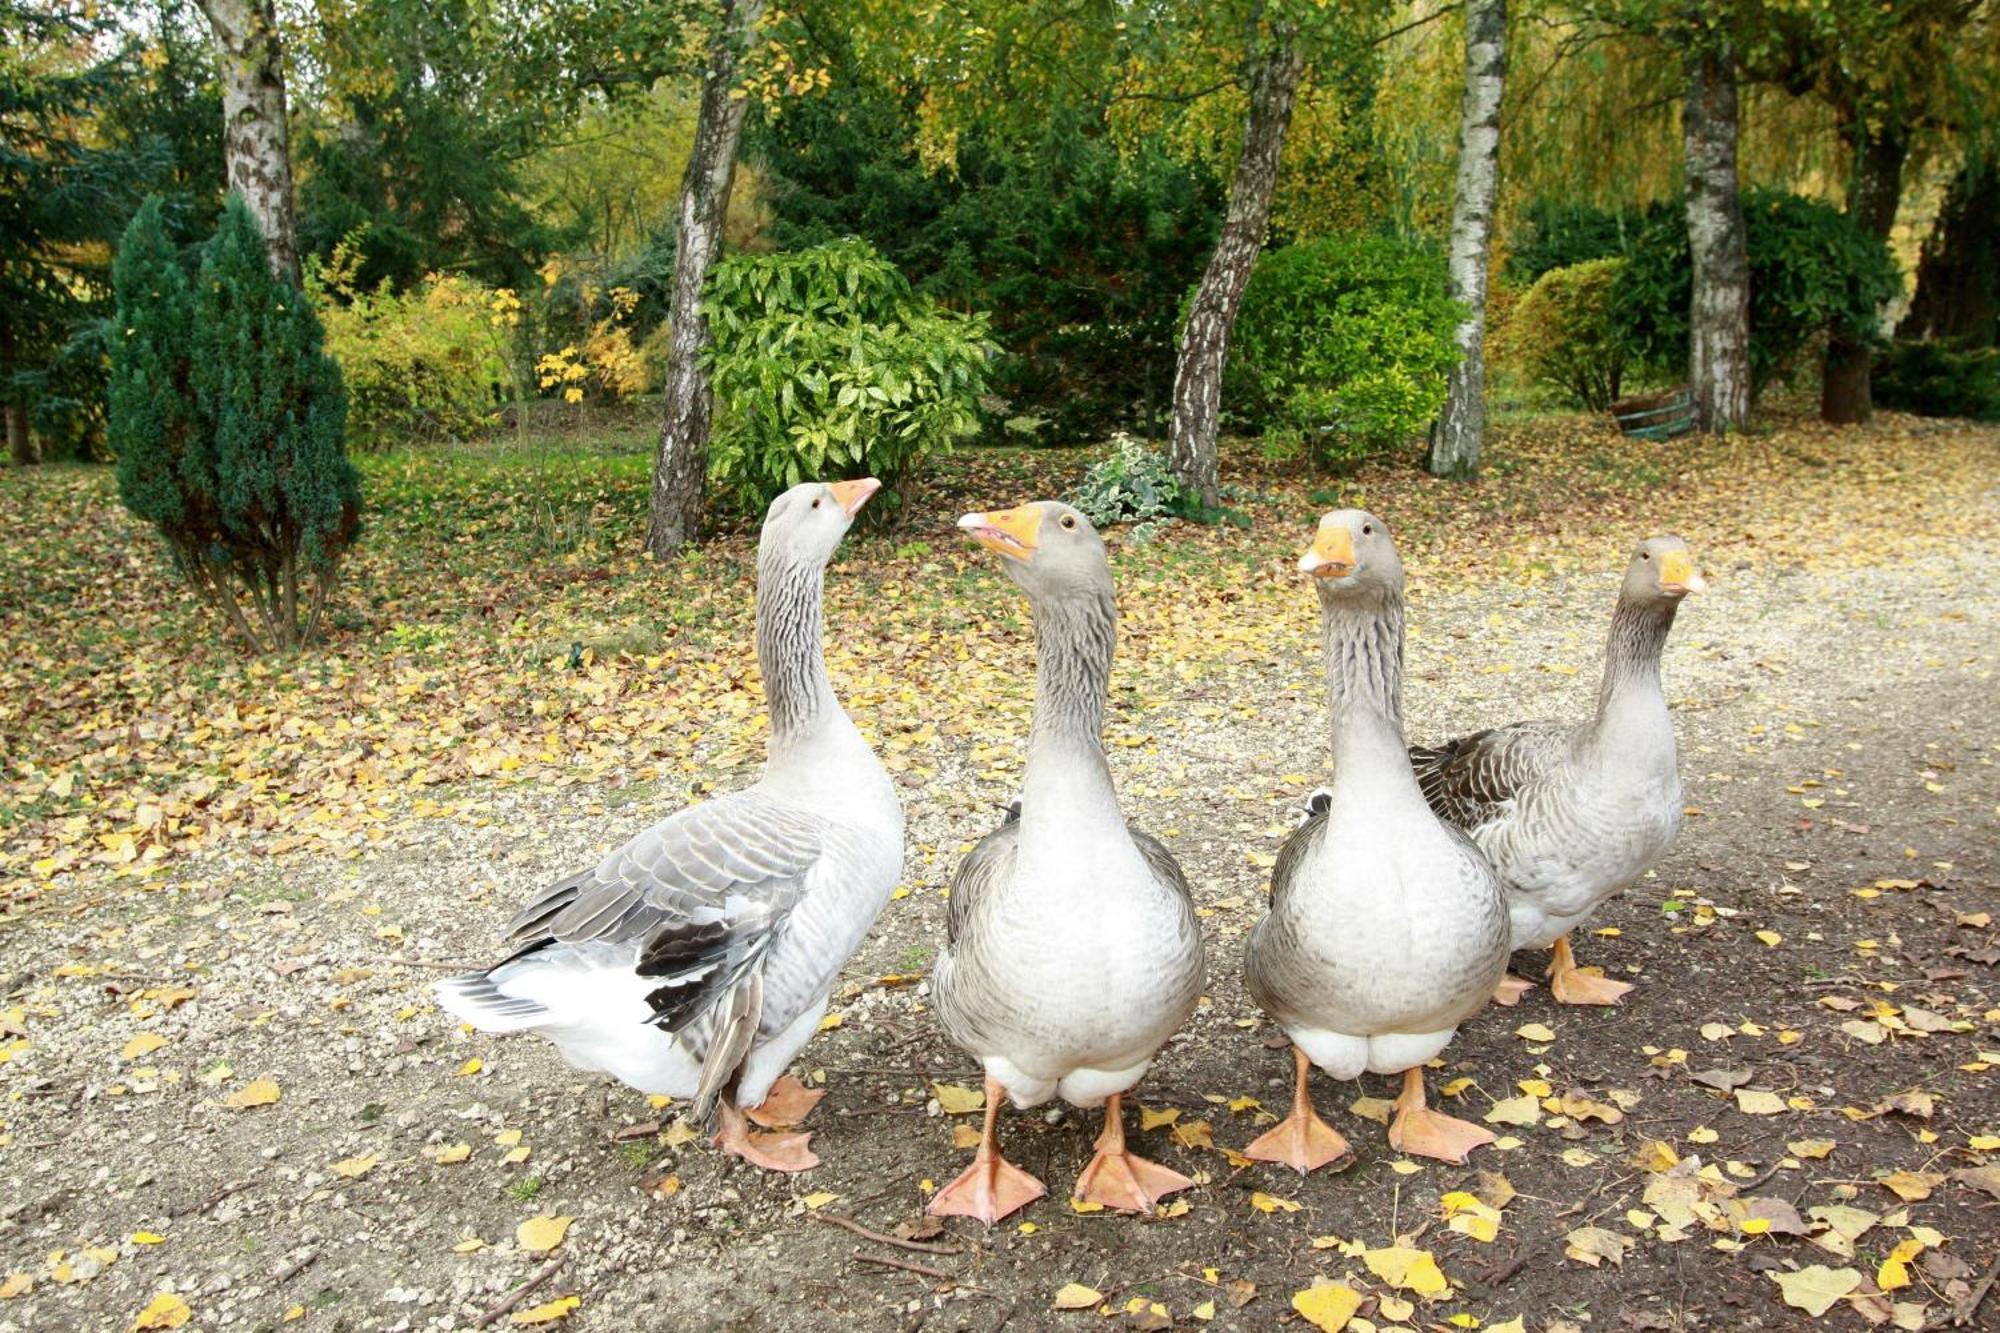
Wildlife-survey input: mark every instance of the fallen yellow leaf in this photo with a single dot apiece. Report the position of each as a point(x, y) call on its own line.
point(548, 1312)
point(539, 1235)
point(165, 1310)
point(1075, 1296)
point(1327, 1308)
point(257, 1092)
point(954, 1100)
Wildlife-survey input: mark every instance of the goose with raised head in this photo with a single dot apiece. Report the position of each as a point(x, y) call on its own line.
point(1072, 950)
point(1386, 928)
point(696, 959)
point(1570, 814)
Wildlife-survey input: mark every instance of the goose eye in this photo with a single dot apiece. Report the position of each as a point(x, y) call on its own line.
point(1367, 529)
point(815, 504)
point(1068, 521)
point(1645, 555)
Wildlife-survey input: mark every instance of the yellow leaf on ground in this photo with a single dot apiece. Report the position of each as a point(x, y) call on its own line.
point(1815, 1289)
point(353, 1168)
point(1271, 1203)
point(1771, 938)
point(451, 1153)
point(16, 1284)
point(828, 1022)
point(1409, 1269)
point(1522, 1110)
point(539, 1235)
point(548, 1312)
point(1895, 1270)
point(964, 1136)
point(1327, 1308)
point(165, 1310)
point(148, 1238)
point(1151, 1119)
point(1756, 1101)
point(1593, 1245)
point(1075, 1296)
point(1534, 1032)
point(1910, 1186)
point(143, 1044)
point(1655, 1156)
point(954, 1100)
point(257, 1092)
point(1812, 1148)
point(819, 1199)
point(471, 1067)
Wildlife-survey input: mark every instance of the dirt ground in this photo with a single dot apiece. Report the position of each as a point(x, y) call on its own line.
point(1823, 931)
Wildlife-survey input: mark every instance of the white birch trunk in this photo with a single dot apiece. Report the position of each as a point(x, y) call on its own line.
point(256, 139)
point(680, 468)
point(1719, 312)
point(1459, 433)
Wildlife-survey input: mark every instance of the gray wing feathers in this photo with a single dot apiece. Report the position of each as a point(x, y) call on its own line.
point(1467, 780)
point(985, 865)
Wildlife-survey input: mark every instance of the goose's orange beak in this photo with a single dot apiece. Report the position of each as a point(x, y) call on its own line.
point(1014, 533)
point(851, 495)
point(1678, 576)
point(1331, 555)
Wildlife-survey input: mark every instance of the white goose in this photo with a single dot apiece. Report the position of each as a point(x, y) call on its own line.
point(1572, 814)
point(696, 960)
point(1072, 948)
point(1386, 928)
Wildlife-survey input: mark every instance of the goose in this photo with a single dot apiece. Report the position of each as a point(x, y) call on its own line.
point(1386, 928)
point(1571, 814)
point(696, 960)
point(1072, 950)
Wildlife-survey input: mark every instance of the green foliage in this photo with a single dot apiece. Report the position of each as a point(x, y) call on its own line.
point(1940, 379)
point(1560, 333)
point(228, 419)
point(1812, 270)
point(1081, 250)
point(418, 364)
point(1551, 235)
point(1132, 484)
point(826, 365)
point(1342, 346)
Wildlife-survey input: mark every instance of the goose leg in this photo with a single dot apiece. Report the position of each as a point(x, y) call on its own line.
point(1570, 984)
point(1422, 1132)
point(1301, 1140)
point(1511, 989)
point(773, 1152)
point(1117, 1178)
point(788, 1102)
point(992, 1186)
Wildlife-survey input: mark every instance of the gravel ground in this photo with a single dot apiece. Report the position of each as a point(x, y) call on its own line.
point(1837, 729)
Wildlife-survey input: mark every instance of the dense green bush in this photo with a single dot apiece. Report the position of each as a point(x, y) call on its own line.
point(1551, 235)
point(1561, 335)
point(1940, 379)
point(1342, 346)
point(419, 364)
point(1132, 484)
point(1080, 249)
point(1812, 270)
point(827, 365)
point(228, 420)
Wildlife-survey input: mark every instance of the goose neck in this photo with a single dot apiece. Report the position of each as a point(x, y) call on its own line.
point(1632, 652)
point(1067, 777)
point(791, 652)
point(1362, 639)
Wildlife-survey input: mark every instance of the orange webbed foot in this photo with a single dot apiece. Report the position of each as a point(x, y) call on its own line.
point(1303, 1142)
point(989, 1189)
point(1570, 984)
point(788, 1103)
point(1422, 1132)
point(773, 1152)
point(1511, 989)
point(1127, 1182)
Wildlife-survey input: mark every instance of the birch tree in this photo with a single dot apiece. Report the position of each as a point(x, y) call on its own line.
point(1719, 310)
point(1458, 436)
point(680, 467)
point(256, 145)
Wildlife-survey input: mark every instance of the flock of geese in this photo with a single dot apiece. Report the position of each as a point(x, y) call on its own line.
point(697, 960)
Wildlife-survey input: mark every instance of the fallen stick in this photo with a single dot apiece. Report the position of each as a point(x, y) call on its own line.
point(888, 1261)
point(880, 1238)
point(520, 1293)
point(203, 1205)
point(294, 1268)
point(1962, 1313)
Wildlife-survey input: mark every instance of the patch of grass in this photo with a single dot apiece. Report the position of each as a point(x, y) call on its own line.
point(526, 1188)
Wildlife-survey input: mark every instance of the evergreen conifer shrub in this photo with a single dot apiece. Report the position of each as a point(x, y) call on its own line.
point(227, 417)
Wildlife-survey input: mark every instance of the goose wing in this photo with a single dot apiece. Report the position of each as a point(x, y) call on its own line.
point(704, 893)
point(1472, 779)
point(985, 865)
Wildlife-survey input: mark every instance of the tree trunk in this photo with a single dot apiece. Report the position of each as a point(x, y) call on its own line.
point(680, 468)
point(1719, 313)
point(1958, 277)
point(256, 139)
point(1459, 433)
point(1873, 192)
point(1274, 86)
point(20, 444)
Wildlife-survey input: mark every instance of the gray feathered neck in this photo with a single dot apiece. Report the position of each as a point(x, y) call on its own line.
point(1075, 638)
point(789, 643)
point(1362, 637)
point(1639, 629)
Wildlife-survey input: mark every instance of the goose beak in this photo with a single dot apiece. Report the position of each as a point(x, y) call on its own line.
point(1011, 532)
point(1678, 576)
point(851, 495)
point(1331, 555)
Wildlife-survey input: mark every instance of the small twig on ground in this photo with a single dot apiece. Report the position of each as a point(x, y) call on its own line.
point(520, 1293)
point(203, 1205)
point(442, 965)
point(1775, 1168)
point(28, 1212)
point(849, 1224)
point(889, 1261)
point(294, 1268)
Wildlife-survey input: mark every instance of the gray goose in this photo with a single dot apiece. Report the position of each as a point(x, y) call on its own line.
point(1386, 928)
point(1072, 949)
point(1570, 814)
point(696, 960)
